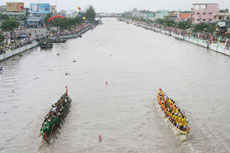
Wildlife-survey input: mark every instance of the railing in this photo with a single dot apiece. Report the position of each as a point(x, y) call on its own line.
point(10, 52)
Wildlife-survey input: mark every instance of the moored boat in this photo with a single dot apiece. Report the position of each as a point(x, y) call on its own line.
point(59, 40)
point(55, 117)
point(174, 115)
point(46, 46)
point(46, 43)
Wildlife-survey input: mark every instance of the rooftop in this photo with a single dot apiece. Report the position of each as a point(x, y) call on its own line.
point(204, 3)
point(184, 15)
point(223, 14)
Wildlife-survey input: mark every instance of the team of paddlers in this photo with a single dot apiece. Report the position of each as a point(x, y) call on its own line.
point(60, 110)
point(172, 112)
point(55, 117)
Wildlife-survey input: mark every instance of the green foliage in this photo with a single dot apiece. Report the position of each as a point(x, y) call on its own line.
point(45, 20)
point(1, 38)
point(3, 16)
point(184, 25)
point(90, 14)
point(64, 23)
point(78, 20)
point(205, 27)
point(166, 22)
point(224, 11)
point(160, 21)
point(9, 25)
point(59, 22)
point(67, 23)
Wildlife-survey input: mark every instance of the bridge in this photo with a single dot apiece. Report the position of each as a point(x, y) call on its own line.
point(108, 15)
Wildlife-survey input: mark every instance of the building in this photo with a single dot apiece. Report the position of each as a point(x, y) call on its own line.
point(204, 12)
point(62, 12)
point(70, 14)
point(53, 9)
point(150, 16)
point(183, 16)
point(34, 22)
point(173, 16)
point(223, 21)
point(161, 14)
point(38, 12)
point(13, 10)
point(3, 9)
point(222, 16)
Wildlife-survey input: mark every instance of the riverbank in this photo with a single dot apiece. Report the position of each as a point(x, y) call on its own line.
point(220, 48)
point(122, 111)
point(11, 52)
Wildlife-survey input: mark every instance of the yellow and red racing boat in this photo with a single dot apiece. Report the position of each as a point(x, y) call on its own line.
point(175, 116)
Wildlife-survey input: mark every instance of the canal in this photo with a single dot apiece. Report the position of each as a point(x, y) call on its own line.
point(135, 62)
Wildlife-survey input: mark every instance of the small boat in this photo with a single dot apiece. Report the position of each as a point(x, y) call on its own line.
point(1, 69)
point(59, 40)
point(46, 46)
point(55, 117)
point(175, 116)
point(46, 43)
point(70, 36)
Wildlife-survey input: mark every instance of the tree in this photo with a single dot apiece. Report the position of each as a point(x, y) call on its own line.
point(45, 20)
point(168, 22)
point(78, 20)
point(1, 38)
point(3, 16)
point(9, 26)
point(205, 27)
point(160, 21)
point(90, 14)
point(184, 25)
point(224, 11)
point(64, 23)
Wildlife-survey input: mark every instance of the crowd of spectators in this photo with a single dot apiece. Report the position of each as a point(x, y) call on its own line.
point(14, 44)
point(205, 36)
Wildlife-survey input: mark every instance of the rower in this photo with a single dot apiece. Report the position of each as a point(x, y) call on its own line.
point(176, 119)
point(184, 123)
point(179, 120)
point(165, 97)
point(54, 109)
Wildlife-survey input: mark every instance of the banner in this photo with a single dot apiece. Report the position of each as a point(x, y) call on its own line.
point(14, 7)
point(221, 24)
point(39, 8)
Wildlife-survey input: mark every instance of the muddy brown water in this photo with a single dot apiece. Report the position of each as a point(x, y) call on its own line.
point(135, 63)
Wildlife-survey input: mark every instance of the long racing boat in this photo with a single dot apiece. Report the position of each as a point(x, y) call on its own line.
point(55, 117)
point(174, 115)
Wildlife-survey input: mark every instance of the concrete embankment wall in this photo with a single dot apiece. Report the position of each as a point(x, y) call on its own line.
point(204, 43)
point(11, 53)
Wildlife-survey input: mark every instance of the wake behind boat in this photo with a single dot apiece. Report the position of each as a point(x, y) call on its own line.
point(55, 117)
point(175, 116)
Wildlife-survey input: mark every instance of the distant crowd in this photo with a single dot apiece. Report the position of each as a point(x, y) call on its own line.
point(14, 44)
point(206, 36)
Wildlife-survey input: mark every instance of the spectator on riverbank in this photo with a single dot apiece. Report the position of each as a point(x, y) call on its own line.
point(14, 45)
point(227, 44)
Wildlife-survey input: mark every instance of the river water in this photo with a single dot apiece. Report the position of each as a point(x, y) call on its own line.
point(135, 63)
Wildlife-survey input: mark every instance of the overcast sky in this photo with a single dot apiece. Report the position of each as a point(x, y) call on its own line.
point(113, 6)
